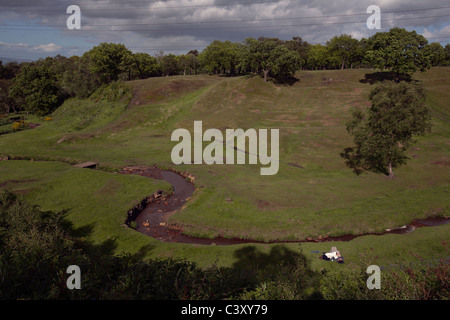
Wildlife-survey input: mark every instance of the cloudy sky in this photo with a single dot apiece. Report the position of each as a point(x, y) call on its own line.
point(38, 28)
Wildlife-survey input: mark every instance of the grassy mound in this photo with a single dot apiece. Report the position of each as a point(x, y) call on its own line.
point(101, 107)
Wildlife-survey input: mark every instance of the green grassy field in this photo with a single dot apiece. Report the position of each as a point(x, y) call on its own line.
point(314, 193)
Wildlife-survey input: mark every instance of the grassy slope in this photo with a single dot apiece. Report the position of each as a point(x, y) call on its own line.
point(322, 198)
point(95, 202)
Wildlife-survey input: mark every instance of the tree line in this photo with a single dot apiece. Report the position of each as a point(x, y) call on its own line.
point(41, 86)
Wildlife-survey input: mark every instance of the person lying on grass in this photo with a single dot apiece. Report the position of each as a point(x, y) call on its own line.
point(332, 256)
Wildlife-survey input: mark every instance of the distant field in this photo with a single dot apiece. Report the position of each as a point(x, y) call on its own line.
point(314, 193)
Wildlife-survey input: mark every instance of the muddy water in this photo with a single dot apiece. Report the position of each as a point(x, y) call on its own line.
point(152, 220)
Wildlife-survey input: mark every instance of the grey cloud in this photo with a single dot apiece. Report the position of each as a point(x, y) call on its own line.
point(174, 24)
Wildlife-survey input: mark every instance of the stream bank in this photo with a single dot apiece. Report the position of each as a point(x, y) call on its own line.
point(152, 214)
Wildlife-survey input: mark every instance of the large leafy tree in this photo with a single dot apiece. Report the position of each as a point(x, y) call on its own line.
point(39, 88)
point(436, 53)
point(220, 57)
point(301, 46)
point(7, 103)
point(383, 134)
point(78, 79)
point(269, 56)
point(189, 63)
point(285, 62)
point(447, 54)
point(109, 60)
point(145, 66)
point(401, 51)
point(345, 47)
point(317, 57)
point(169, 64)
point(7, 73)
point(73, 74)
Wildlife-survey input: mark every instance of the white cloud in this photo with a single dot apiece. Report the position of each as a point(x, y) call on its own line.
point(437, 34)
point(24, 48)
point(51, 47)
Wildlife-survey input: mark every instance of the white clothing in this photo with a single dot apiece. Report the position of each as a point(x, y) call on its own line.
point(332, 255)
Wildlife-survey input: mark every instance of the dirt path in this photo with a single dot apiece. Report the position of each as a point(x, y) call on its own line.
point(152, 220)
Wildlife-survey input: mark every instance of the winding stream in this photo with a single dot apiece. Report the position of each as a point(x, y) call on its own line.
point(152, 219)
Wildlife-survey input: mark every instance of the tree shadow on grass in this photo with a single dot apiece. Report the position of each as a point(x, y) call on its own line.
point(376, 77)
point(250, 257)
point(281, 273)
point(285, 81)
point(80, 232)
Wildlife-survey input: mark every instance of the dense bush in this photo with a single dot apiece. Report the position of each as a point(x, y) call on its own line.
point(106, 103)
point(19, 125)
point(38, 86)
point(113, 92)
point(420, 281)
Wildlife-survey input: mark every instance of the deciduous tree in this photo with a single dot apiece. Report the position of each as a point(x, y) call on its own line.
point(220, 57)
point(345, 47)
point(383, 134)
point(269, 56)
point(109, 60)
point(38, 86)
point(144, 65)
point(401, 51)
point(169, 64)
point(436, 53)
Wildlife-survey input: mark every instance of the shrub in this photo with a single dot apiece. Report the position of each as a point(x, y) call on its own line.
point(420, 281)
point(19, 125)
